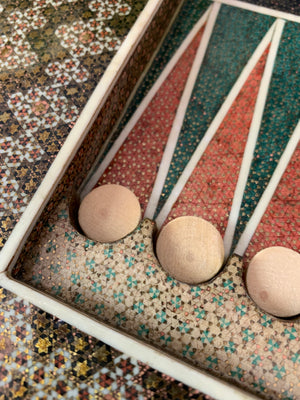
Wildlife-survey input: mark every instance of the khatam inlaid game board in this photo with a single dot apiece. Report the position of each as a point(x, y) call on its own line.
point(215, 325)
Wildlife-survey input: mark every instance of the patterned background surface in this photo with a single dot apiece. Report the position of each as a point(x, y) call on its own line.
point(48, 71)
point(53, 53)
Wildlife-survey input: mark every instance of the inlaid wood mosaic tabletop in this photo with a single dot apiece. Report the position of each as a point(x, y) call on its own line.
point(52, 56)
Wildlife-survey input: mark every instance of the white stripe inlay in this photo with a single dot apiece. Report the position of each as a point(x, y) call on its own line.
point(214, 126)
point(268, 193)
point(180, 114)
point(144, 104)
point(252, 137)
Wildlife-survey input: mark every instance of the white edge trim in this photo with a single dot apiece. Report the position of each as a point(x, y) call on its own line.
point(252, 137)
point(214, 126)
point(267, 195)
point(22, 229)
point(180, 114)
point(261, 10)
point(127, 344)
point(143, 105)
point(124, 343)
point(87, 183)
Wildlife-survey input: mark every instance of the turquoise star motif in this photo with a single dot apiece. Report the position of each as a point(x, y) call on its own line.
point(238, 372)
point(255, 359)
point(55, 268)
point(177, 302)
point(37, 278)
point(213, 362)
point(120, 318)
point(260, 384)
point(79, 299)
point(296, 357)
point(63, 214)
point(224, 323)
point(139, 307)
point(228, 284)
point(99, 308)
point(150, 271)
point(50, 227)
point(280, 371)
point(70, 236)
point(199, 313)
point(172, 281)
point(89, 243)
point(129, 261)
point(75, 278)
point(109, 252)
point(291, 333)
point(267, 320)
point(248, 335)
point(96, 287)
point(187, 351)
point(51, 247)
point(184, 327)
point(90, 264)
point(196, 290)
point(110, 273)
point(206, 336)
point(70, 255)
point(140, 247)
point(273, 345)
point(161, 316)
point(154, 292)
point(119, 297)
point(131, 282)
point(230, 348)
point(56, 289)
point(241, 309)
point(165, 339)
point(143, 330)
point(218, 300)
point(37, 259)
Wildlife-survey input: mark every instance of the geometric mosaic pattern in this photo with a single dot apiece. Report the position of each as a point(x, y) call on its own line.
point(212, 198)
point(45, 82)
point(142, 151)
point(51, 54)
point(9, 192)
point(214, 325)
point(43, 357)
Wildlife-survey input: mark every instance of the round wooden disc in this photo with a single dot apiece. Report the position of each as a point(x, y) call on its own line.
point(108, 213)
point(273, 281)
point(190, 249)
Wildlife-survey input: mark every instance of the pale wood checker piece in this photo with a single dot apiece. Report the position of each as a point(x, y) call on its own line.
point(190, 249)
point(273, 281)
point(108, 213)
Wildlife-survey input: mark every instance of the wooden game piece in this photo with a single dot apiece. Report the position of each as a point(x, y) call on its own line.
point(190, 249)
point(273, 281)
point(109, 213)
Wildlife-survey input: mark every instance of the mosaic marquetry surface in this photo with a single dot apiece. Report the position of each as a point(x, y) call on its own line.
point(42, 357)
point(215, 325)
point(52, 55)
point(45, 344)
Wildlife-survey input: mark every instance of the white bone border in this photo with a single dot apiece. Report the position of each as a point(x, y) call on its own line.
point(13, 246)
point(155, 358)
